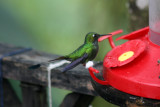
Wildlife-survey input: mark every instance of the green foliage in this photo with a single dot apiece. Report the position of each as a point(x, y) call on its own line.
point(60, 26)
point(99, 102)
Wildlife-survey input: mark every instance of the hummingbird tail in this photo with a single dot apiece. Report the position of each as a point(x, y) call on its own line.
point(38, 65)
point(35, 66)
point(59, 58)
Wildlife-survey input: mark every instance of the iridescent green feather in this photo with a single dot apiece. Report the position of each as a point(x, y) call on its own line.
point(85, 48)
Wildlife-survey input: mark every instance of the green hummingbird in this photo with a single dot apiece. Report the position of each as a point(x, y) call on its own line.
point(86, 52)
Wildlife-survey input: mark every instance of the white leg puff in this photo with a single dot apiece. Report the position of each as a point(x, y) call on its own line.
point(89, 64)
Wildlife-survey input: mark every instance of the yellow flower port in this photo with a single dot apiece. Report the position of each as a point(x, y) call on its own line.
point(125, 56)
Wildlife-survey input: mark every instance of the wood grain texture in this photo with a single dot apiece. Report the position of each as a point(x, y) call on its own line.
point(10, 97)
point(16, 67)
point(76, 80)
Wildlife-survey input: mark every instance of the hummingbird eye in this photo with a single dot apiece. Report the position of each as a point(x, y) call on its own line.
point(93, 35)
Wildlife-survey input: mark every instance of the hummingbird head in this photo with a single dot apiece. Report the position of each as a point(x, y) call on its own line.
point(92, 37)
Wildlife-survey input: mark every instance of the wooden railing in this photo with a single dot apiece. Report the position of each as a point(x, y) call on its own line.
point(77, 80)
point(34, 82)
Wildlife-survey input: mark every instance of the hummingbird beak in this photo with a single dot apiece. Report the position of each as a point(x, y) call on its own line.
point(104, 35)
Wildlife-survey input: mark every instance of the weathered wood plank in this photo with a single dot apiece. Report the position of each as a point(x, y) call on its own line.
point(10, 97)
point(33, 95)
point(77, 80)
point(16, 67)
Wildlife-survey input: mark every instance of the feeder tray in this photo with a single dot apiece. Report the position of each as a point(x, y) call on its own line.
point(132, 68)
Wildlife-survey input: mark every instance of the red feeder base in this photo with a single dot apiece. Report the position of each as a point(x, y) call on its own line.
point(133, 67)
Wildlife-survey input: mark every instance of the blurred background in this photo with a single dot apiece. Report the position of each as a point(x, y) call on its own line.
point(53, 26)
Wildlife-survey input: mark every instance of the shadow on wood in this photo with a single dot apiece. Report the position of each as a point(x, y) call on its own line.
point(77, 100)
point(33, 95)
point(10, 98)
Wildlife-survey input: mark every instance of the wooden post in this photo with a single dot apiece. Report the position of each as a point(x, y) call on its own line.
point(33, 95)
point(10, 98)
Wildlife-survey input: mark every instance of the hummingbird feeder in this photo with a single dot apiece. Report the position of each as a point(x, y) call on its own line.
point(134, 67)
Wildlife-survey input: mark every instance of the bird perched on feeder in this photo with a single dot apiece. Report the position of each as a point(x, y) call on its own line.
point(86, 52)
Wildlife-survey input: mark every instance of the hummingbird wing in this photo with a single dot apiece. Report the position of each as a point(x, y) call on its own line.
point(75, 63)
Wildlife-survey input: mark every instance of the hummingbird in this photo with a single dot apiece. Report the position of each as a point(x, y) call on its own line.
point(86, 52)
